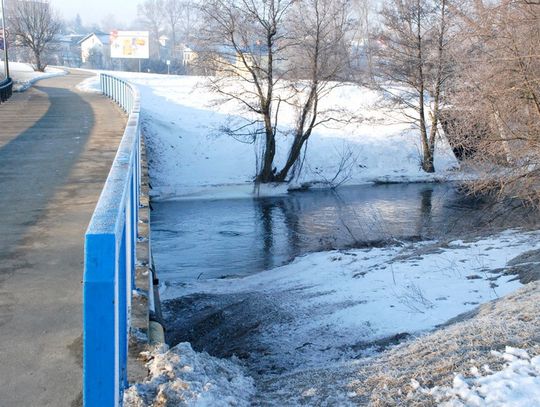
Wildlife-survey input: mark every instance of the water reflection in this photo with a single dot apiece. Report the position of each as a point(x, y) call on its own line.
point(221, 238)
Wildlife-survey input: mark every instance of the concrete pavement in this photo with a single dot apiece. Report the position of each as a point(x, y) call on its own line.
point(56, 148)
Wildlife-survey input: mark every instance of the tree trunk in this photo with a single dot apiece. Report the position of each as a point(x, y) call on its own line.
point(267, 171)
point(39, 67)
point(427, 160)
point(173, 42)
point(294, 153)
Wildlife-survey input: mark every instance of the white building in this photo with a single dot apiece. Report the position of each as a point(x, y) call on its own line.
point(95, 41)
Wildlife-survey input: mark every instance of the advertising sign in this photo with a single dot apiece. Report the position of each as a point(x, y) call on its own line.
point(130, 44)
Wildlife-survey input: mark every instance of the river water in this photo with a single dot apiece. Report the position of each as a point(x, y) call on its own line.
point(237, 237)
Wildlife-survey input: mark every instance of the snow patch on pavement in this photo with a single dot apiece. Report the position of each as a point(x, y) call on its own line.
point(516, 385)
point(90, 85)
point(181, 377)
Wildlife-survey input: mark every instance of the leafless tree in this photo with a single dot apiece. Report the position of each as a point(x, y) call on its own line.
point(414, 65)
point(362, 55)
point(276, 54)
point(174, 12)
point(35, 25)
point(496, 101)
point(111, 23)
point(151, 12)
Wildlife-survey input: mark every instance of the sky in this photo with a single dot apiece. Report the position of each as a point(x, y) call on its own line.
point(95, 11)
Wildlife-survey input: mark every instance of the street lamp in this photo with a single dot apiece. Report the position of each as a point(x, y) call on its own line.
point(4, 37)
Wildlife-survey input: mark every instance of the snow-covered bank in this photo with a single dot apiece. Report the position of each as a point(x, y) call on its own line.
point(516, 385)
point(190, 157)
point(465, 348)
point(182, 377)
point(24, 76)
point(317, 343)
point(340, 305)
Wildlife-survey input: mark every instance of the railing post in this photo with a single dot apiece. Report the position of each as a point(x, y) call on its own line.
point(133, 219)
point(101, 374)
point(123, 306)
point(119, 92)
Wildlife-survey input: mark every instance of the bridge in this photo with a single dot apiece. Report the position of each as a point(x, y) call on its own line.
point(57, 146)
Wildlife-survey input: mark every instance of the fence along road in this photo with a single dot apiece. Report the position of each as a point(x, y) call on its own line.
point(56, 149)
point(110, 261)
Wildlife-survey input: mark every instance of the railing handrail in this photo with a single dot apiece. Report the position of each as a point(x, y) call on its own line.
point(110, 260)
point(4, 82)
point(6, 89)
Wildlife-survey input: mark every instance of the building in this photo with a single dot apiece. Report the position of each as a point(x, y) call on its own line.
point(67, 50)
point(94, 45)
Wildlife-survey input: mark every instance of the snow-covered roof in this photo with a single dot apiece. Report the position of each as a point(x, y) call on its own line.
point(104, 38)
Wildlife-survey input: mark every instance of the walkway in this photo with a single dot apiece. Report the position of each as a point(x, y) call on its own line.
point(56, 147)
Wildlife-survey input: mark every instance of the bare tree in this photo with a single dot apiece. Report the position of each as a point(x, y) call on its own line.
point(152, 14)
point(35, 26)
point(414, 64)
point(496, 99)
point(174, 12)
point(110, 23)
point(320, 57)
point(363, 12)
point(273, 54)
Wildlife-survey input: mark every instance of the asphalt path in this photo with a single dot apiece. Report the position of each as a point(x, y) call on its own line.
point(56, 148)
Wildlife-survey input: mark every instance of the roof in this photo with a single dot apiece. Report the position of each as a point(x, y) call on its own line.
point(104, 38)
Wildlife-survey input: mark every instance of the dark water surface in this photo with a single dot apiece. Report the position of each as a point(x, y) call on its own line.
point(221, 238)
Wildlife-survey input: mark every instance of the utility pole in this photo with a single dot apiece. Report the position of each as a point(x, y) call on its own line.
point(4, 33)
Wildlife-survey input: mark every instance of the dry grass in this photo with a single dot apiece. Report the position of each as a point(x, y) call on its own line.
point(434, 358)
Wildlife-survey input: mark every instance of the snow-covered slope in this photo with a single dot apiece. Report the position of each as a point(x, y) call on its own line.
point(191, 157)
point(339, 301)
point(516, 385)
point(24, 75)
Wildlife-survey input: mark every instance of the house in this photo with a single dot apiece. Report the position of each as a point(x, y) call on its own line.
point(67, 50)
point(189, 56)
point(96, 43)
point(223, 59)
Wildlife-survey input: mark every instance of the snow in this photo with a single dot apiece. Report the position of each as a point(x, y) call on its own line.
point(516, 385)
point(181, 377)
point(333, 305)
point(90, 85)
point(190, 157)
point(24, 76)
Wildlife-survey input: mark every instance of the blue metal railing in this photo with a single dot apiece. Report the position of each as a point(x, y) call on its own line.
point(6, 89)
point(109, 268)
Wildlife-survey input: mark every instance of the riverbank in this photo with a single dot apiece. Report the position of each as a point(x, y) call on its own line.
point(423, 371)
point(473, 345)
point(294, 330)
point(191, 156)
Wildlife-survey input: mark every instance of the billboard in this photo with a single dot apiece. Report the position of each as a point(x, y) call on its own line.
point(130, 44)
